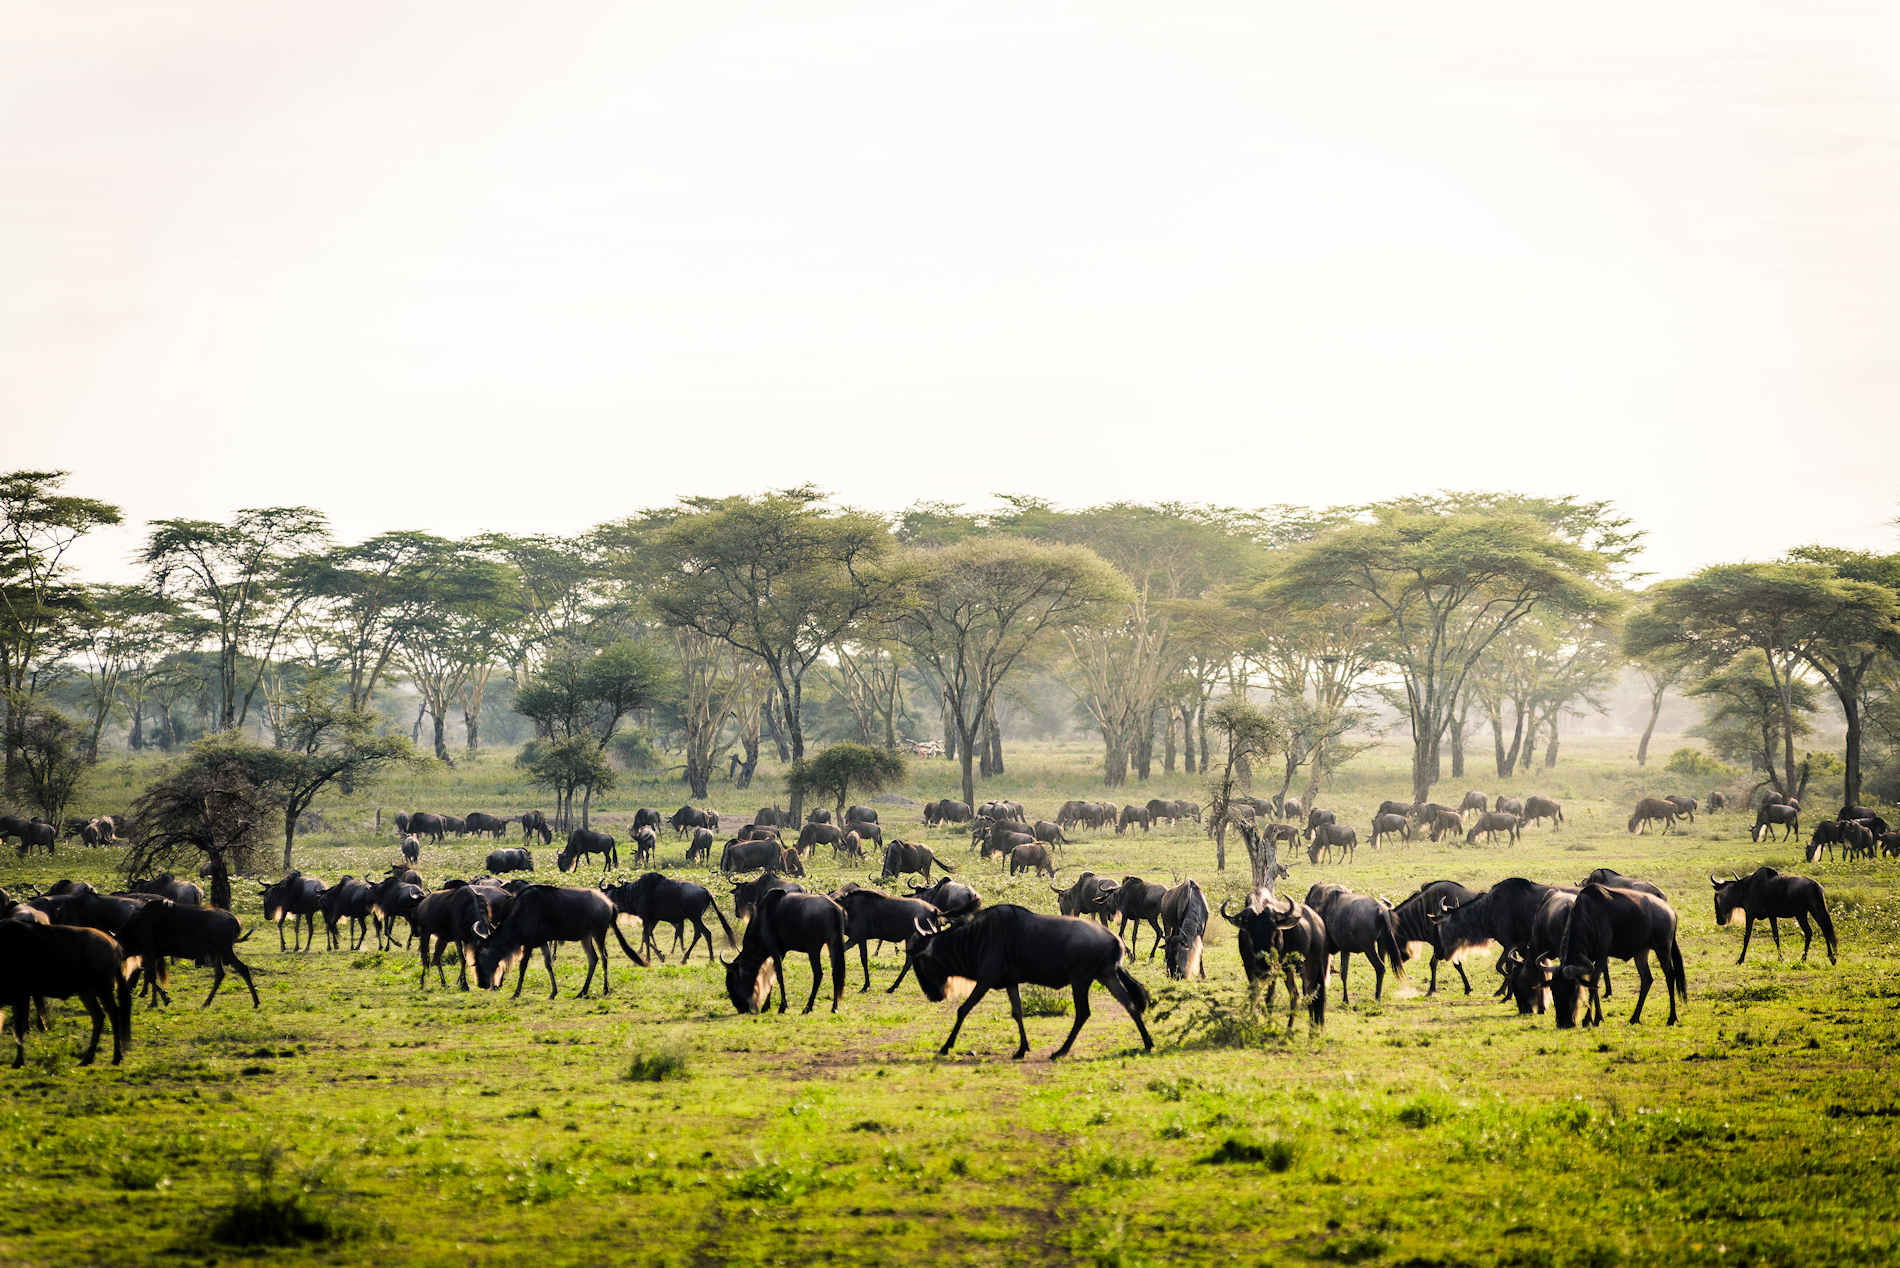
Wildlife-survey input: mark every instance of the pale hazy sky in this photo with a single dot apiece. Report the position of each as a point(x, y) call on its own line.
point(463, 266)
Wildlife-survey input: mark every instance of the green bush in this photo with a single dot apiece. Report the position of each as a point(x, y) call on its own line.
point(1697, 764)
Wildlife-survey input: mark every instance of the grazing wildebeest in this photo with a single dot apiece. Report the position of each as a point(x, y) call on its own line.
point(509, 860)
point(646, 844)
point(1135, 901)
point(1621, 924)
point(533, 822)
point(687, 817)
point(1473, 801)
point(433, 826)
point(1316, 819)
point(1187, 810)
point(1766, 894)
point(462, 914)
point(542, 916)
point(1651, 809)
point(700, 849)
point(1068, 815)
point(391, 898)
point(1508, 805)
point(657, 900)
point(747, 895)
point(481, 824)
point(951, 897)
point(402, 824)
point(348, 899)
point(1540, 808)
point(1050, 834)
point(946, 811)
point(1030, 856)
point(162, 931)
point(901, 857)
point(298, 898)
point(1776, 814)
point(582, 842)
point(1526, 967)
point(1858, 812)
point(38, 961)
point(1387, 824)
point(1357, 923)
point(1184, 929)
point(1012, 810)
point(1827, 835)
point(873, 917)
point(1327, 837)
point(1502, 914)
point(1009, 946)
point(851, 845)
point(1685, 806)
point(1291, 940)
point(1409, 809)
point(1493, 822)
point(1415, 925)
point(165, 885)
point(1131, 815)
point(647, 817)
point(1159, 809)
point(744, 856)
point(1090, 895)
point(31, 832)
point(1440, 821)
point(813, 835)
point(787, 922)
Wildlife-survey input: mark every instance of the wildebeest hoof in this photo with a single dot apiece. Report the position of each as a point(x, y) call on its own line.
point(1020, 1053)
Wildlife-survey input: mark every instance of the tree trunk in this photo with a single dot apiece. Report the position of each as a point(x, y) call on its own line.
point(1114, 759)
point(791, 699)
point(1655, 711)
point(1187, 738)
point(768, 713)
point(698, 778)
point(751, 762)
point(1200, 726)
point(587, 800)
point(993, 742)
point(950, 741)
point(441, 736)
point(1167, 741)
point(1509, 761)
point(220, 881)
point(1850, 706)
point(1457, 748)
point(1528, 754)
point(290, 832)
point(1145, 748)
point(1550, 750)
point(1424, 759)
point(136, 739)
point(966, 762)
point(472, 727)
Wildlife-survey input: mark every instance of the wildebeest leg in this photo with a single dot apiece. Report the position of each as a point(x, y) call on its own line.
point(1461, 974)
point(587, 945)
point(864, 958)
point(701, 931)
point(817, 977)
point(98, 1015)
point(900, 975)
point(1748, 927)
point(280, 933)
point(1345, 962)
point(21, 1007)
point(1016, 1012)
point(244, 971)
point(1774, 931)
point(778, 965)
point(1082, 1016)
point(521, 978)
point(1807, 934)
point(217, 980)
point(1643, 978)
point(1378, 976)
point(977, 992)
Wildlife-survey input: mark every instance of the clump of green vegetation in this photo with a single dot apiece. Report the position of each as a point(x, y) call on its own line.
point(656, 1067)
point(1423, 1111)
point(137, 1174)
point(1274, 1155)
point(773, 1181)
point(1041, 1001)
point(270, 1209)
point(1697, 765)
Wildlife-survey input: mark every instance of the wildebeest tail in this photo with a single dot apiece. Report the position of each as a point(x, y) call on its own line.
point(1389, 945)
point(1682, 981)
point(713, 903)
point(626, 946)
point(1136, 991)
point(940, 863)
point(1826, 922)
point(245, 936)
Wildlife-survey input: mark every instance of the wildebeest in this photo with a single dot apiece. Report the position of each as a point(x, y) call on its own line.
point(165, 885)
point(1357, 923)
point(1136, 901)
point(411, 848)
point(772, 817)
point(1438, 821)
point(1776, 814)
point(515, 859)
point(901, 857)
point(851, 846)
point(646, 844)
point(1050, 834)
point(813, 835)
point(582, 842)
point(946, 811)
point(1539, 808)
point(785, 923)
point(646, 817)
point(462, 914)
point(1386, 824)
point(1327, 837)
point(1316, 819)
point(41, 961)
point(687, 817)
point(533, 822)
point(1616, 880)
point(1651, 809)
point(1621, 924)
point(348, 899)
point(1493, 822)
point(1508, 805)
point(1088, 895)
point(1527, 966)
point(1292, 941)
point(392, 898)
point(1009, 946)
point(456, 825)
point(1032, 856)
point(402, 824)
point(1415, 924)
point(818, 814)
point(870, 916)
point(699, 850)
point(658, 900)
point(298, 898)
point(433, 826)
point(1159, 809)
point(1717, 801)
point(1131, 815)
point(744, 856)
point(747, 895)
point(162, 930)
point(1766, 894)
point(859, 814)
point(542, 916)
point(1184, 929)
point(1002, 810)
point(1502, 915)
point(31, 832)
point(1474, 801)
point(1858, 812)
point(951, 897)
point(1685, 806)
point(482, 824)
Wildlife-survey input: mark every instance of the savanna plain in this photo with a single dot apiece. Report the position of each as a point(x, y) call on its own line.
point(360, 1115)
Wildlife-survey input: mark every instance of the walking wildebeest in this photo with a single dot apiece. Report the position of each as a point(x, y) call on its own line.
point(392, 897)
point(1766, 894)
point(1416, 925)
point(687, 817)
point(299, 898)
point(1009, 946)
point(1491, 823)
point(542, 916)
point(1474, 801)
point(785, 923)
point(582, 842)
point(1328, 837)
point(1651, 809)
point(31, 832)
point(744, 856)
point(1132, 815)
point(348, 899)
point(515, 859)
point(1621, 924)
point(657, 900)
point(1028, 857)
point(411, 848)
point(1357, 923)
point(1134, 900)
point(38, 961)
point(162, 930)
point(1184, 925)
point(1773, 815)
point(1290, 941)
point(873, 917)
point(482, 824)
point(1539, 808)
point(813, 835)
point(1386, 824)
point(433, 826)
point(1685, 806)
point(946, 811)
point(901, 857)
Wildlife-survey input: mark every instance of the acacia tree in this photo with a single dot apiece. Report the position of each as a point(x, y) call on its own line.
point(324, 742)
point(1743, 718)
point(1248, 735)
point(581, 695)
point(372, 595)
point(464, 594)
point(119, 629)
point(976, 606)
point(780, 577)
point(1443, 586)
point(1660, 672)
point(38, 525)
point(1860, 636)
point(837, 770)
point(247, 582)
point(52, 760)
point(208, 807)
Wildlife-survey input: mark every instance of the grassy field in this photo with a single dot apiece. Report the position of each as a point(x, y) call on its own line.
point(358, 1114)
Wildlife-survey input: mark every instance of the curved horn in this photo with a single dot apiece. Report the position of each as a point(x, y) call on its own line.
point(1057, 889)
point(917, 923)
point(1549, 963)
point(1714, 882)
point(1232, 920)
point(1287, 912)
point(725, 961)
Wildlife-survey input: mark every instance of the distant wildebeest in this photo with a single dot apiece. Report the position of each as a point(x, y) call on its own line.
point(1009, 946)
point(951, 897)
point(1439, 821)
point(1131, 815)
point(1783, 815)
point(744, 856)
point(1493, 822)
point(1685, 806)
point(1136, 901)
point(1184, 929)
point(700, 848)
point(1651, 809)
point(747, 895)
point(902, 857)
point(1030, 856)
point(787, 923)
point(1386, 825)
point(1473, 801)
point(813, 835)
point(1327, 837)
point(1508, 805)
point(646, 817)
point(873, 917)
point(1160, 809)
point(658, 900)
point(582, 842)
point(1409, 809)
point(1089, 895)
point(392, 898)
point(1616, 880)
point(646, 844)
point(456, 826)
point(509, 860)
point(687, 817)
point(1316, 819)
point(162, 931)
point(1540, 808)
point(1717, 801)
point(32, 832)
point(165, 885)
point(533, 822)
point(1621, 924)
point(946, 811)
point(482, 824)
point(542, 916)
point(1766, 894)
point(41, 961)
point(349, 899)
point(1050, 834)
point(1289, 940)
point(1356, 923)
point(298, 898)
point(818, 814)
point(859, 814)
point(851, 846)
point(411, 848)
point(433, 826)
point(1415, 924)
point(1002, 810)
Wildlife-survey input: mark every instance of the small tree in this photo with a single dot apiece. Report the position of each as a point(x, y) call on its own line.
point(207, 808)
point(565, 767)
point(52, 759)
point(1249, 735)
point(325, 742)
point(843, 767)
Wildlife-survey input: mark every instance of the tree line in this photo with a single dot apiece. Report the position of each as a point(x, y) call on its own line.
point(711, 625)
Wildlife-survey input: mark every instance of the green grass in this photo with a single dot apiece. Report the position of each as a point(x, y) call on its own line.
point(357, 1110)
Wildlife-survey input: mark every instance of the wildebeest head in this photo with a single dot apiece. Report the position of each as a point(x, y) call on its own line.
point(749, 982)
point(1727, 900)
point(922, 948)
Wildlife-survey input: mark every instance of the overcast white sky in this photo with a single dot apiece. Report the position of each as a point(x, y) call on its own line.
point(475, 265)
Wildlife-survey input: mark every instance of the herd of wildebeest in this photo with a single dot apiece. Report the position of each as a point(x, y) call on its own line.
point(1555, 940)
